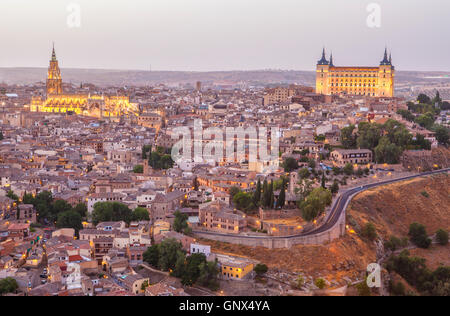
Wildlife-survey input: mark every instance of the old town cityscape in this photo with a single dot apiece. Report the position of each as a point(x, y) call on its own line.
point(93, 203)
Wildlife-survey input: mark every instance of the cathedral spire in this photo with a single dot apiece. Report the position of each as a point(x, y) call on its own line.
point(53, 53)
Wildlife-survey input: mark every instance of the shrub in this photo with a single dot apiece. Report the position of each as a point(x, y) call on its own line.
point(418, 235)
point(369, 231)
point(363, 289)
point(442, 237)
point(395, 243)
point(260, 269)
point(320, 283)
point(398, 289)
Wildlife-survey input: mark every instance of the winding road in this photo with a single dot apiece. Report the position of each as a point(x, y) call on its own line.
point(338, 208)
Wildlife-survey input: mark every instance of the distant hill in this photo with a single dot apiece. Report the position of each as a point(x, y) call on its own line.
point(138, 78)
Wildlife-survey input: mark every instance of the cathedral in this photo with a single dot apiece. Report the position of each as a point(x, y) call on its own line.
point(57, 101)
point(366, 81)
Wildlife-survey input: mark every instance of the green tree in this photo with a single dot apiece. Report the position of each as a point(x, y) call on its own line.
point(369, 231)
point(324, 181)
point(180, 223)
point(426, 120)
point(140, 214)
point(138, 169)
point(418, 235)
point(424, 99)
point(304, 173)
point(208, 275)
point(282, 197)
point(257, 194)
point(407, 115)
point(271, 195)
point(387, 152)
point(442, 135)
point(442, 237)
point(290, 164)
point(334, 187)
point(260, 269)
point(8, 285)
point(348, 138)
point(151, 255)
point(81, 209)
point(244, 201)
point(28, 198)
point(368, 135)
point(314, 205)
point(234, 191)
point(70, 219)
point(437, 99)
point(398, 289)
point(13, 196)
point(168, 254)
point(111, 212)
point(265, 194)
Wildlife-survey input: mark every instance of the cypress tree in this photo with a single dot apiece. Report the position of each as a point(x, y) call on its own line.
point(257, 195)
point(282, 198)
point(271, 195)
point(265, 196)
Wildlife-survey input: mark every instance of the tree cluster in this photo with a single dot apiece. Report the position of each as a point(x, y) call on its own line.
point(195, 269)
point(115, 212)
point(416, 273)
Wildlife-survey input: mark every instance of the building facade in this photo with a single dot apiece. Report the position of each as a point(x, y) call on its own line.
point(366, 81)
point(84, 104)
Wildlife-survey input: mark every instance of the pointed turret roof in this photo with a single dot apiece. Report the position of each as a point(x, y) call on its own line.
point(323, 60)
point(331, 60)
point(385, 60)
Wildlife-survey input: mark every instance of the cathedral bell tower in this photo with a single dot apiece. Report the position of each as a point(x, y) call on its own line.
point(54, 81)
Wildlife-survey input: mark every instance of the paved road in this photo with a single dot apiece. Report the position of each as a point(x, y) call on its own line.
point(342, 202)
point(338, 207)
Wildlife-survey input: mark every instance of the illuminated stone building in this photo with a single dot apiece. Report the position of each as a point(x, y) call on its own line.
point(368, 81)
point(56, 101)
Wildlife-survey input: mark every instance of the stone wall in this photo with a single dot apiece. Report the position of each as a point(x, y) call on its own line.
point(272, 242)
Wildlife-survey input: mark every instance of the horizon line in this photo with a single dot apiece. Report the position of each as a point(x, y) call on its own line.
point(200, 71)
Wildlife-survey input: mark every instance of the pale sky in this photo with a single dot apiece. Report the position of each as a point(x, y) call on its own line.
point(209, 35)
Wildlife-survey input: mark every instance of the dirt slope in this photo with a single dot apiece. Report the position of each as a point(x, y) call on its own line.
point(391, 208)
point(394, 207)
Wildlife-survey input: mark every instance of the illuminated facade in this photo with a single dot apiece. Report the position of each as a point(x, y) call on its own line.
point(84, 104)
point(367, 81)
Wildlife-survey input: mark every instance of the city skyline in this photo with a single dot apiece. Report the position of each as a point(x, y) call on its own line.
point(223, 36)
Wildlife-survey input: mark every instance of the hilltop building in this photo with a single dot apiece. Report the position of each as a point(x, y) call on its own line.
point(367, 81)
point(85, 104)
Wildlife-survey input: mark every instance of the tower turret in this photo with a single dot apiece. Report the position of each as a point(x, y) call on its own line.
point(323, 67)
point(54, 80)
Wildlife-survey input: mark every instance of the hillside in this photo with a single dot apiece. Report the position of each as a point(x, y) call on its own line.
point(394, 207)
point(391, 208)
